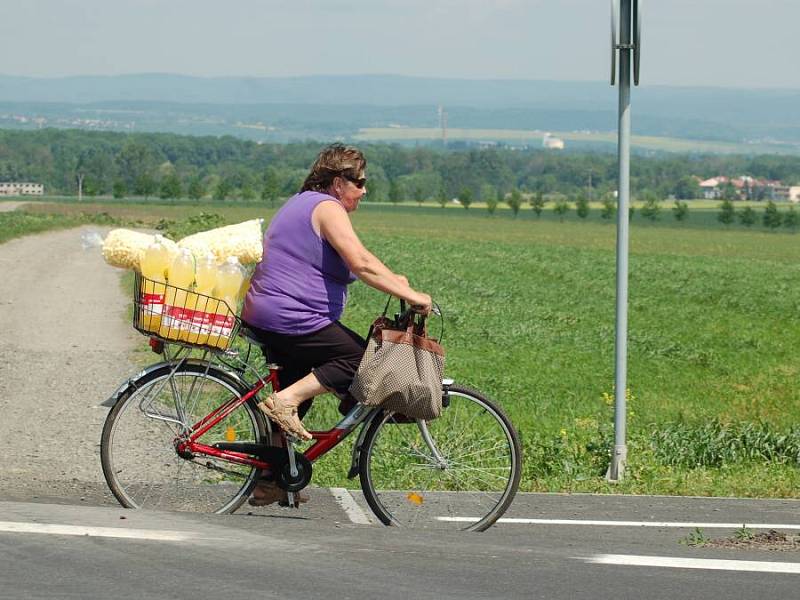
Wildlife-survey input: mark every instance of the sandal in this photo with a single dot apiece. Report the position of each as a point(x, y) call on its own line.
point(284, 416)
point(268, 492)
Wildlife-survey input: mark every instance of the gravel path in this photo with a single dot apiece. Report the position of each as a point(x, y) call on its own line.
point(65, 347)
point(8, 206)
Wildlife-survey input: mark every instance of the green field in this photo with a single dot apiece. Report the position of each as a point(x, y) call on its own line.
point(524, 136)
point(529, 319)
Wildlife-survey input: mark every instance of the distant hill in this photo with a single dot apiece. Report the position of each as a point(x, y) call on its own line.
point(279, 109)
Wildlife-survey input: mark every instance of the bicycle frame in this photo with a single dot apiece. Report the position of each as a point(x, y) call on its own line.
point(324, 440)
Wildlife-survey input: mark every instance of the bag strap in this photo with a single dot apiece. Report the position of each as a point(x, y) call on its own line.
point(383, 314)
point(386, 308)
point(417, 326)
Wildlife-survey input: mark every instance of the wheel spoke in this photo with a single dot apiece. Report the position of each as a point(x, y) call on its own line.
point(139, 458)
point(478, 477)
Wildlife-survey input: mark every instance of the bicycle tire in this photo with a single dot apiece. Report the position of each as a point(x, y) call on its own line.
point(405, 484)
point(139, 460)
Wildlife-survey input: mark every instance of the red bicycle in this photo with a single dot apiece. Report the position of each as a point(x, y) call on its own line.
point(186, 434)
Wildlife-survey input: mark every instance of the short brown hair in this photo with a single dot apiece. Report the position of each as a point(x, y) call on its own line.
point(334, 161)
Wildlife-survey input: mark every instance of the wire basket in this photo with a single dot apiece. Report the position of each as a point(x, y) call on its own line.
point(178, 315)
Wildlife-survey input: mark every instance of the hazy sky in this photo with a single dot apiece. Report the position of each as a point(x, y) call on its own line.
point(738, 43)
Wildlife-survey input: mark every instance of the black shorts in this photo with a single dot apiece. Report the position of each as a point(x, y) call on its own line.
point(332, 353)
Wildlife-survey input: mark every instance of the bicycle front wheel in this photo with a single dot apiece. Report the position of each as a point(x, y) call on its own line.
point(460, 471)
point(140, 462)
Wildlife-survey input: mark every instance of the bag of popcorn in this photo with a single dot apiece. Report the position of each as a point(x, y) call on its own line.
point(243, 240)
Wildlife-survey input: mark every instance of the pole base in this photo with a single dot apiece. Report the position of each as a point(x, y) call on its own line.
point(616, 470)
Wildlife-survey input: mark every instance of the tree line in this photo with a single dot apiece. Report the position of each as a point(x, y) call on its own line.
point(175, 166)
point(651, 209)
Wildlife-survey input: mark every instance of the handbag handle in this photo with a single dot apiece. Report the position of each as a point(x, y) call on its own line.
point(409, 313)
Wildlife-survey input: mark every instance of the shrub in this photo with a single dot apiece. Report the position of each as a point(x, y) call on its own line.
point(514, 201)
point(609, 208)
point(441, 196)
point(119, 189)
point(489, 195)
point(651, 208)
point(537, 203)
point(582, 206)
point(772, 218)
point(747, 216)
point(561, 208)
point(726, 212)
point(465, 197)
point(790, 218)
point(680, 210)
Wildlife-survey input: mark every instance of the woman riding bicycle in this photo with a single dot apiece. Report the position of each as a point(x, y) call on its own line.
point(299, 290)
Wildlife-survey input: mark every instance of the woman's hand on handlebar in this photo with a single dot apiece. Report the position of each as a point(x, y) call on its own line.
point(420, 303)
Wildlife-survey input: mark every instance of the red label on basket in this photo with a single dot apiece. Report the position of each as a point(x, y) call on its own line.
point(152, 298)
point(152, 304)
point(196, 321)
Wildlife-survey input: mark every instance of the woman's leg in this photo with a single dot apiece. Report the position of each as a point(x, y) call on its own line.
point(315, 363)
point(301, 390)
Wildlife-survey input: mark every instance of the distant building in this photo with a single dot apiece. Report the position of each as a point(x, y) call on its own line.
point(711, 188)
point(14, 188)
point(552, 143)
point(747, 188)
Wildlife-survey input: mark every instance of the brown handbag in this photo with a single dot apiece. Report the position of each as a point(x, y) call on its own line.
point(401, 370)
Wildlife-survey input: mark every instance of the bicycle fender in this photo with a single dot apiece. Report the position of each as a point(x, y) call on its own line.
point(112, 400)
point(119, 393)
point(354, 462)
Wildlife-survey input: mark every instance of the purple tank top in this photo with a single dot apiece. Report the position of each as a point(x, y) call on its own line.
point(300, 285)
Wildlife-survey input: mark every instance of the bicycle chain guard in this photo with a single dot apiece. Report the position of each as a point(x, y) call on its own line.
point(278, 461)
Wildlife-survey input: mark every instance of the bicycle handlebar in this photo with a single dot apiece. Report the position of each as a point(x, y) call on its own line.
point(406, 315)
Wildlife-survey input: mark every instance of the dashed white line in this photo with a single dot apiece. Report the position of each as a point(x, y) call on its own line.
point(675, 562)
point(674, 524)
point(112, 532)
point(350, 506)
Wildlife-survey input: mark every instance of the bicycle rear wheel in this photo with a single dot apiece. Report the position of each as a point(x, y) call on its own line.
point(460, 471)
point(140, 463)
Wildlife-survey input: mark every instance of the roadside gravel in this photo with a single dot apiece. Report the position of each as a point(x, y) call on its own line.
point(8, 206)
point(65, 346)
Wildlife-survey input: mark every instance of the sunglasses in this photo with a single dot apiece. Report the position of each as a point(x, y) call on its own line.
point(359, 182)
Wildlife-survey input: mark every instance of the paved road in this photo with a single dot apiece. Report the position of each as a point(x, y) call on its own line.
point(318, 550)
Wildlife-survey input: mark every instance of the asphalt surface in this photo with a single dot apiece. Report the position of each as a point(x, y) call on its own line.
point(317, 550)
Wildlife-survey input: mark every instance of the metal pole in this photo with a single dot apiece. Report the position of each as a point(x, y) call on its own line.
point(619, 458)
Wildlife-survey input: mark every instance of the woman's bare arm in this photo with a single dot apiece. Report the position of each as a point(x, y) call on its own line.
point(335, 227)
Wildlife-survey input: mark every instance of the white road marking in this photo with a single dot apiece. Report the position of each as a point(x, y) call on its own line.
point(350, 507)
point(113, 532)
point(693, 563)
point(675, 524)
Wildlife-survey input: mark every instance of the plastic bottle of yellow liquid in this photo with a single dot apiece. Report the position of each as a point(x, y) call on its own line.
point(180, 275)
point(153, 266)
point(205, 278)
point(230, 278)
